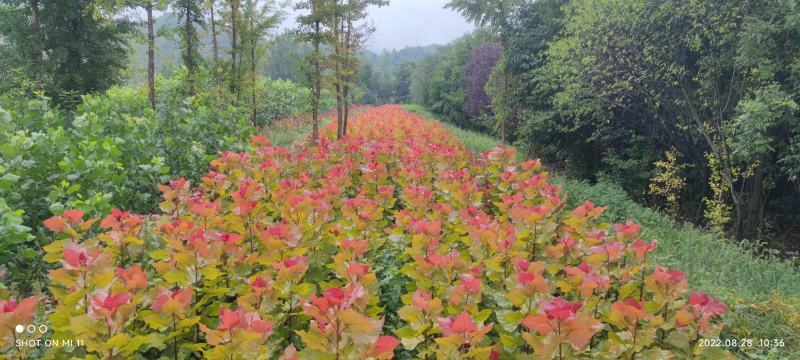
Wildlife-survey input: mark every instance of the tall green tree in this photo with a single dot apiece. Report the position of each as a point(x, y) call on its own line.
point(189, 13)
point(149, 6)
point(211, 6)
point(285, 54)
point(310, 28)
point(402, 83)
point(70, 48)
point(258, 19)
point(348, 34)
point(233, 22)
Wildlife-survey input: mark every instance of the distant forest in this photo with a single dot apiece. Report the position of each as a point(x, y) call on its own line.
point(384, 76)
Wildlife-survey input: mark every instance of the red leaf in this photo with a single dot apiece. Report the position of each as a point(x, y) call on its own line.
point(384, 346)
point(75, 256)
point(463, 323)
point(471, 283)
point(538, 323)
point(227, 319)
point(74, 216)
point(559, 308)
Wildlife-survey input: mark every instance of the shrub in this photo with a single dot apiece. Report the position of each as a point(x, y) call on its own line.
point(113, 150)
point(275, 252)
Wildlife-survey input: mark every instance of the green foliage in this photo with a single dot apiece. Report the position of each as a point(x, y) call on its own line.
point(15, 250)
point(112, 150)
point(278, 99)
point(751, 131)
point(283, 57)
point(602, 87)
point(78, 47)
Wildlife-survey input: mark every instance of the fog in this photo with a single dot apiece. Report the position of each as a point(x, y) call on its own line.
point(410, 23)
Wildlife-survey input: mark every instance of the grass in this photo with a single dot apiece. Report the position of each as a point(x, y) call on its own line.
point(286, 136)
point(762, 291)
point(474, 141)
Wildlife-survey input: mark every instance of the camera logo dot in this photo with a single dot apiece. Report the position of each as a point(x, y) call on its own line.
point(30, 329)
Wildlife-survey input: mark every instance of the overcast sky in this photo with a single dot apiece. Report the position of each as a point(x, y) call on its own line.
point(411, 23)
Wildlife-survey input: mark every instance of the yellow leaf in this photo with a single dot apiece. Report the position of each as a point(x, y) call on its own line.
point(410, 314)
point(72, 299)
point(552, 269)
point(313, 340)
point(154, 320)
point(160, 254)
point(210, 273)
point(409, 337)
point(213, 337)
point(101, 280)
point(450, 341)
point(135, 344)
point(54, 251)
point(84, 327)
point(133, 240)
point(185, 259)
point(362, 329)
point(564, 286)
point(117, 341)
point(516, 297)
point(188, 322)
point(60, 276)
point(178, 277)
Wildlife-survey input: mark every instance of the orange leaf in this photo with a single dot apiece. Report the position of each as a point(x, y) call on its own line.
point(56, 224)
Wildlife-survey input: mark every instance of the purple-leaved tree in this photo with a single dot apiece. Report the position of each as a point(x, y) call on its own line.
point(479, 66)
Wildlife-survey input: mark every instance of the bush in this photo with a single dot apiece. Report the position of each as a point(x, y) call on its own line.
point(13, 250)
point(113, 149)
point(280, 99)
point(277, 252)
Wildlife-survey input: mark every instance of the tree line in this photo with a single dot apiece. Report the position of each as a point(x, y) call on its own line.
point(691, 106)
point(66, 49)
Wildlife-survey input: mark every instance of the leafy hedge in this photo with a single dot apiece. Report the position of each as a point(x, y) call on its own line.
point(112, 150)
point(287, 252)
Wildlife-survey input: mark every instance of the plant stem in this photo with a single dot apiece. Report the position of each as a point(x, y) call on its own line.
point(175, 339)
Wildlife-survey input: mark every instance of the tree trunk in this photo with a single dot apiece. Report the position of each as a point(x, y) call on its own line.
point(507, 106)
point(720, 151)
point(337, 68)
point(753, 218)
point(215, 51)
point(253, 43)
point(151, 62)
point(317, 85)
point(38, 60)
point(189, 51)
point(346, 84)
point(234, 4)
